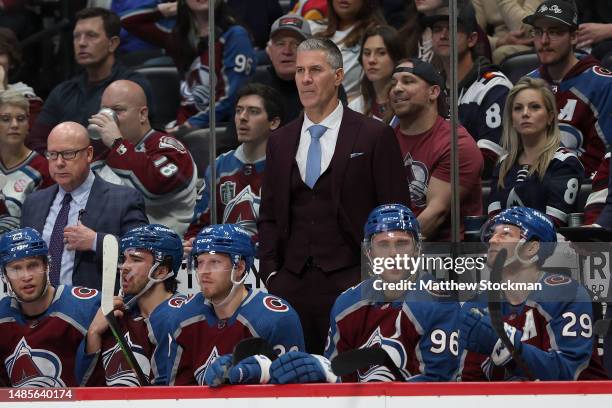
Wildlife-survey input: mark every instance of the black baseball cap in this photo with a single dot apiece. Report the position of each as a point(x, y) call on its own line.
point(557, 10)
point(423, 70)
point(466, 17)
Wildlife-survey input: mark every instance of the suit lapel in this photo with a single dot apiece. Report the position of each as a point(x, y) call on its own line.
point(91, 215)
point(289, 145)
point(347, 135)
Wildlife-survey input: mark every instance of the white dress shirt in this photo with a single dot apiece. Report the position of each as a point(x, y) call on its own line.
point(79, 201)
point(328, 140)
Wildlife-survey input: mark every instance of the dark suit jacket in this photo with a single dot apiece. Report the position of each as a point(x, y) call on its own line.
point(110, 209)
point(367, 171)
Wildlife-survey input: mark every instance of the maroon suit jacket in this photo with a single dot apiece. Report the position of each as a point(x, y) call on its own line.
point(367, 171)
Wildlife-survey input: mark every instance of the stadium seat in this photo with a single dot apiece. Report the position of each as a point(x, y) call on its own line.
point(197, 143)
point(165, 84)
point(518, 65)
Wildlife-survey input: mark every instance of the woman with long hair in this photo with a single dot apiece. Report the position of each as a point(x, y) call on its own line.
point(380, 52)
point(187, 43)
point(23, 169)
point(347, 21)
point(417, 36)
point(536, 172)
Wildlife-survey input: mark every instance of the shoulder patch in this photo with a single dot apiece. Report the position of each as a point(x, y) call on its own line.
point(556, 280)
point(178, 302)
point(601, 71)
point(81, 292)
point(168, 142)
point(275, 304)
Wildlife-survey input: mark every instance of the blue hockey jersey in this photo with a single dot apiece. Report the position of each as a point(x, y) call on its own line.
point(556, 329)
point(418, 331)
point(198, 336)
point(41, 352)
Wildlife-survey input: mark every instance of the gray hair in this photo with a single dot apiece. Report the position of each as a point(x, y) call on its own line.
point(331, 50)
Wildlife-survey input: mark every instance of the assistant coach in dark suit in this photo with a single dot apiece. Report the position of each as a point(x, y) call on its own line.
point(325, 172)
point(74, 215)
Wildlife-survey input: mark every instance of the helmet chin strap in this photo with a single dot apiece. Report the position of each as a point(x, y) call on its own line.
point(235, 286)
point(516, 257)
point(150, 282)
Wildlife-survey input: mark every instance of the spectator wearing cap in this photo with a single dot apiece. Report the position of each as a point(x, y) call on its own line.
point(583, 89)
point(483, 88)
point(416, 99)
point(286, 34)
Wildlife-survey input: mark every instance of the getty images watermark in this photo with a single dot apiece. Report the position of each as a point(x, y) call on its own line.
point(382, 266)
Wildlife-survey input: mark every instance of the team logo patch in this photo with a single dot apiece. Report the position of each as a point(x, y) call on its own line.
point(228, 191)
point(178, 302)
point(418, 180)
point(117, 371)
point(33, 368)
point(555, 280)
point(20, 185)
point(167, 142)
point(602, 71)
point(275, 304)
point(83, 293)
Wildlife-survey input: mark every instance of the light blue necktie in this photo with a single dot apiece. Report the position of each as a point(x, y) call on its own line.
point(313, 161)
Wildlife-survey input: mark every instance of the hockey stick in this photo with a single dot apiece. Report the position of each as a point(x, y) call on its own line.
point(495, 310)
point(361, 359)
point(110, 255)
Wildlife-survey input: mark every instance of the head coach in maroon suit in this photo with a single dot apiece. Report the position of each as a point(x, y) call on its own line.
point(325, 172)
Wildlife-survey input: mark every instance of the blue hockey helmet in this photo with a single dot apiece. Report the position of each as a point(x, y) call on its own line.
point(21, 243)
point(534, 225)
point(160, 240)
point(228, 239)
point(391, 217)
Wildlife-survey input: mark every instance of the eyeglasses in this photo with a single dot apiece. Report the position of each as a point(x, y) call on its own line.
point(66, 154)
point(7, 119)
point(553, 33)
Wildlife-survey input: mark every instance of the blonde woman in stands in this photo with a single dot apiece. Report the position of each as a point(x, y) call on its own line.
point(537, 172)
point(22, 169)
point(381, 50)
point(347, 21)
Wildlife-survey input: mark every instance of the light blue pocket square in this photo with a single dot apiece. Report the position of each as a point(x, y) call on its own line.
point(353, 155)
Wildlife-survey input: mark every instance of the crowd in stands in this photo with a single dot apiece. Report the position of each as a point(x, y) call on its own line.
point(333, 108)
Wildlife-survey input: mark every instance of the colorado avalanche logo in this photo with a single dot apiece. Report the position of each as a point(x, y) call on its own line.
point(243, 210)
point(118, 373)
point(33, 368)
point(83, 293)
point(601, 71)
point(167, 142)
point(199, 372)
point(555, 280)
point(275, 304)
point(418, 178)
point(179, 301)
point(20, 185)
point(393, 347)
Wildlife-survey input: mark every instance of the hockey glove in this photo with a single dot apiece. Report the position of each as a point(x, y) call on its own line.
point(501, 355)
point(216, 372)
point(476, 333)
point(251, 370)
point(299, 367)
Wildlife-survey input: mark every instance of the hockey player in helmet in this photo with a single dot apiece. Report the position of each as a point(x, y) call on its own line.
point(547, 317)
point(210, 324)
point(415, 326)
point(42, 325)
point(150, 259)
